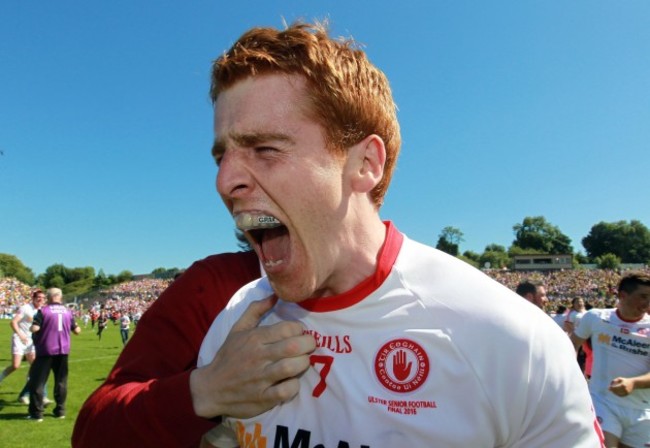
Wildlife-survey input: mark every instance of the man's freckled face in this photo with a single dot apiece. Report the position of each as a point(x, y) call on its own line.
point(273, 160)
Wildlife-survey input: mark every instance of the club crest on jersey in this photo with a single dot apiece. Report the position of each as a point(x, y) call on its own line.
point(401, 365)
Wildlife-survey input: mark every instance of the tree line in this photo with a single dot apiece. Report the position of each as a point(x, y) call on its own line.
point(73, 281)
point(607, 245)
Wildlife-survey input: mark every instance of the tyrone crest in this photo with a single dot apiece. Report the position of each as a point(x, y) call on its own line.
point(401, 365)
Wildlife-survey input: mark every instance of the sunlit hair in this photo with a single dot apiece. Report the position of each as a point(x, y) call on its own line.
point(53, 292)
point(630, 281)
point(348, 96)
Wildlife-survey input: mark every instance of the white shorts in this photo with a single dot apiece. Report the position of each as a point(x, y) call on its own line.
point(631, 426)
point(18, 348)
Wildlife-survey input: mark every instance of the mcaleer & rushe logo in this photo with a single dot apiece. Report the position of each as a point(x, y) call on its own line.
point(401, 365)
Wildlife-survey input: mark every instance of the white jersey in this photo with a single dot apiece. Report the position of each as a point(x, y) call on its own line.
point(574, 317)
point(427, 352)
point(27, 311)
point(559, 319)
point(621, 348)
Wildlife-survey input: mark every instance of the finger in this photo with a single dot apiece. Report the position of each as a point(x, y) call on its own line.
point(286, 368)
point(616, 382)
point(302, 344)
point(282, 391)
point(251, 317)
point(280, 331)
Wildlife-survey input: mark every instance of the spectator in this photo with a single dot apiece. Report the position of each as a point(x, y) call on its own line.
point(125, 325)
point(560, 315)
point(534, 292)
point(51, 330)
point(575, 314)
point(102, 323)
point(571, 322)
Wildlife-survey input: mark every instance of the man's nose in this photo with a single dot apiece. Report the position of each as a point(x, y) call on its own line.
point(233, 176)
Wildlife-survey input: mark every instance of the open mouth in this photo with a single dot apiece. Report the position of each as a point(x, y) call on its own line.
point(270, 236)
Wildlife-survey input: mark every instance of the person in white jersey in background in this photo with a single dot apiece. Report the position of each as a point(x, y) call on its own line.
point(125, 326)
point(620, 376)
point(574, 315)
point(414, 347)
point(572, 320)
point(21, 341)
point(559, 316)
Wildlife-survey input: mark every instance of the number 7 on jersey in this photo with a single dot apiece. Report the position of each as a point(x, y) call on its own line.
point(326, 361)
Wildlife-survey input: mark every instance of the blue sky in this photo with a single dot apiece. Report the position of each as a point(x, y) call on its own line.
point(508, 109)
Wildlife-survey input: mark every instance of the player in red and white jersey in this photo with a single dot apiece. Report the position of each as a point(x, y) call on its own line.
point(428, 350)
point(413, 347)
point(620, 378)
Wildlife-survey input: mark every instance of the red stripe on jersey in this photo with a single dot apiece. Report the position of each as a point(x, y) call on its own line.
point(385, 261)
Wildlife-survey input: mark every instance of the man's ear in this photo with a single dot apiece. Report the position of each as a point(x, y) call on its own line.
point(366, 163)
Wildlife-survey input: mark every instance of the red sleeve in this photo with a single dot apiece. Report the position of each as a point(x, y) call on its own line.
point(146, 400)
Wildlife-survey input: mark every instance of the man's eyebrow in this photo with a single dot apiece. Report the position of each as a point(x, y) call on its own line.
point(218, 148)
point(249, 140)
point(256, 138)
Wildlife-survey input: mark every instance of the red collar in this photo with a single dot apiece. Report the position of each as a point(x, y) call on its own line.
point(385, 261)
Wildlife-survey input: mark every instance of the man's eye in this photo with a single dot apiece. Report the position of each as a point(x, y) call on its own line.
point(264, 149)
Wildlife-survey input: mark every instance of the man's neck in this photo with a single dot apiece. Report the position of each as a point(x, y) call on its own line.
point(361, 255)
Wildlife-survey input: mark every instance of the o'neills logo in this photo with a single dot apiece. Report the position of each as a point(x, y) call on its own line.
point(401, 365)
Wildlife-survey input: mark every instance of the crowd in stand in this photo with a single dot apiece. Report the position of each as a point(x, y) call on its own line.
point(597, 287)
point(144, 290)
point(130, 298)
point(13, 293)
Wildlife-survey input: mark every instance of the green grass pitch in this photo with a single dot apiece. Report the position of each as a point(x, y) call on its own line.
point(90, 361)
